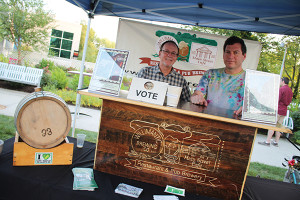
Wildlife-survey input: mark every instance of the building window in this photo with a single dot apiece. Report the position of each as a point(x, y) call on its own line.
point(61, 43)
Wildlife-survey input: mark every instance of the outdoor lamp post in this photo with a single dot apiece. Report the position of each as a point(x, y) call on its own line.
point(283, 60)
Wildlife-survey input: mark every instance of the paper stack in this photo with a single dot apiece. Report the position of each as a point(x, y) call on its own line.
point(84, 179)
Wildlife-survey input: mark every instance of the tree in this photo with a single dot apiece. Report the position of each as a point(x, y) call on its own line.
point(292, 62)
point(274, 56)
point(25, 23)
point(94, 43)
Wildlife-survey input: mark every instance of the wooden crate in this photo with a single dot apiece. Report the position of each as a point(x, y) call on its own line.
point(25, 155)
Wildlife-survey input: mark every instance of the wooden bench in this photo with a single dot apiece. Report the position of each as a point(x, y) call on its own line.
point(21, 74)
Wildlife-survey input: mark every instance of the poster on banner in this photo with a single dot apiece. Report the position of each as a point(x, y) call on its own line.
point(198, 52)
point(108, 72)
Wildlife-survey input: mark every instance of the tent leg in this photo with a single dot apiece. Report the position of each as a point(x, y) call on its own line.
point(78, 97)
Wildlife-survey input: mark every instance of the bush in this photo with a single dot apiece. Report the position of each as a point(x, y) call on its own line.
point(71, 69)
point(296, 137)
point(62, 68)
point(50, 88)
point(45, 64)
point(296, 120)
point(75, 80)
point(46, 79)
point(69, 97)
point(59, 78)
point(4, 59)
point(294, 106)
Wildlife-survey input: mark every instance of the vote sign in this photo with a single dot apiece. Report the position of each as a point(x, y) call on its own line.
point(146, 90)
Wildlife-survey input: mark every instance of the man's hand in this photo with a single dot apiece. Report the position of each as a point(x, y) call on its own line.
point(198, 98)
point(238, 112)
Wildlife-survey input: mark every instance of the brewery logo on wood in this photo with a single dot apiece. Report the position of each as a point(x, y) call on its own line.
point(154, 148)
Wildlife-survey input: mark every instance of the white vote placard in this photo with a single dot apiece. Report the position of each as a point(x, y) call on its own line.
point(146, 90)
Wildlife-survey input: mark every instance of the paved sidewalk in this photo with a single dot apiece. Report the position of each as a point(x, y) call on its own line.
point(274, 156)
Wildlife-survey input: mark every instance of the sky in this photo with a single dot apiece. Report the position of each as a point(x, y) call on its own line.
point(104, 26)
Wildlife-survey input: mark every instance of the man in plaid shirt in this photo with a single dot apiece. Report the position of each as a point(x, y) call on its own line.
point(164, 71)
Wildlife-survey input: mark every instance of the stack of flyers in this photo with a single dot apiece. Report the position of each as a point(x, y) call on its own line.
point(128, 190)
point(84, 179)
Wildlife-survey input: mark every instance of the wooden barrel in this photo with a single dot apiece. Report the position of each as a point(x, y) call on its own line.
point(42, 119)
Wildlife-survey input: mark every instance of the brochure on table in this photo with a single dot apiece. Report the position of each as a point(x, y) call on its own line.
point(108, 72)
point(261, 97)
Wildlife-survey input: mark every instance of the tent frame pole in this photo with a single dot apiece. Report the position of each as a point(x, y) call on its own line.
point(80, 83)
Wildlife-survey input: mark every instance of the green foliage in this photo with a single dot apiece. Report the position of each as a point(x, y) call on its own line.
point(27, 63)
point(69, 97)
point(296, 137)
point(45, 64)
point(50, 88)
point(46, 79)
point(94, 43)
point(7, 127)
point(59, 78)
point(294, 106)
point(266, 171)
point(292, 63)
point(92, 51)
point(62, 68)
point(25, 23)
point(74, 82)
point(296, 120)
point(90, 135)
point(89, 101)
point(104, 43)
point(4, 59)
point(126, 82)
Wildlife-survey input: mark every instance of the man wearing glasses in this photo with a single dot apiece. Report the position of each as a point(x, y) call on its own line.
point(164, 71)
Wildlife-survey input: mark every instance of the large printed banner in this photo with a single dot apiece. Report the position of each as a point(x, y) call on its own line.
point(198, 51)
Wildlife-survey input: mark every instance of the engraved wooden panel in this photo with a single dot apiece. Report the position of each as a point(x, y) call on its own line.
point(203, 156)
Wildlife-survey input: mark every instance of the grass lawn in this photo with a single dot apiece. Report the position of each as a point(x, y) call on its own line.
point(7, 130)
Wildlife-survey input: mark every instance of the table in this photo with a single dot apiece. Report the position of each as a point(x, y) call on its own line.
point(56, 182)
point(204, 150)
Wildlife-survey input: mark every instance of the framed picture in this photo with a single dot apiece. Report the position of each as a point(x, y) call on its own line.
point(108, 72)
point(261, 97)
